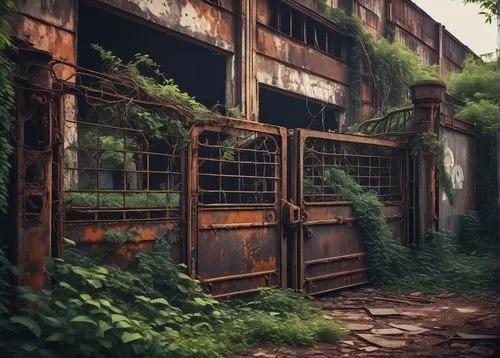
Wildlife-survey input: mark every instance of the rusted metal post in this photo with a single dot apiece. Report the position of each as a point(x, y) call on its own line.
point(35, 110)
point(426, 97)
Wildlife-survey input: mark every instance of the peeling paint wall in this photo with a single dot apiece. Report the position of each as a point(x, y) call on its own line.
point(194, 18)
point(301, 56)
point(286, 78)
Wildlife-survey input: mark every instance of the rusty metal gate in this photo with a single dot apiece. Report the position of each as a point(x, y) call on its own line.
point(328, 250)
point(235, 239)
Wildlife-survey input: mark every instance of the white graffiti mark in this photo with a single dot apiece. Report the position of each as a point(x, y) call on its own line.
point(455, 172)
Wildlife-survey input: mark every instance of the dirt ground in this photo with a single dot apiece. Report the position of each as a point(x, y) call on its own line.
point(385, 324)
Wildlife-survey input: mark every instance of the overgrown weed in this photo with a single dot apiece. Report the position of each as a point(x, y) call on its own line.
point(96, 310)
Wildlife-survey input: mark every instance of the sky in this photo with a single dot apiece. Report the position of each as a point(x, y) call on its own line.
point(464, 22)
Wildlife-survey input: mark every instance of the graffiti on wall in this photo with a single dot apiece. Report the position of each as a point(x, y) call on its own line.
point(455, 171)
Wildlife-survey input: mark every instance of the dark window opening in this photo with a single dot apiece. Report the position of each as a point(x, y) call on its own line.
point(305, 29)
point(296, 112)
point(199, 71)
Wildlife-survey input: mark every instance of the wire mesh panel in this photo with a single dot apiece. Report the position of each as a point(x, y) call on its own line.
point(373, 167)
point(238, 169)
point(237, 189)
point(116, 173)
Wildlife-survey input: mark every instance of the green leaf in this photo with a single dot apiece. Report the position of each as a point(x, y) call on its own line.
point(53, 321)
point(216, 314)
point(130, 337)
point(83, 319)
point(94, 283)
point(67, 286)
point(118, 318)
point(143, 298)
point(28, 323)
point(104, 302)
point(69, 242)
point(29, 347)
point(123, 324)
point(85, 297)
point(55, 337)
point(32, 297)
point(93, 303)
point(200, 301)
point(183, 276)
point(161, 301)
point(104, 326)
point(102, 270)
point(106, 343)
point(60, 305)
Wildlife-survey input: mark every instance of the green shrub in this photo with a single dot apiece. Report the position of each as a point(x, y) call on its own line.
point(156, 311)
point(438, 266)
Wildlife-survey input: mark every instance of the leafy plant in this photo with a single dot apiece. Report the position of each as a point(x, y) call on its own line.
point(438, 266)
point(94, 310)
point(390, 66)
point(477, 86)
point(6, 102)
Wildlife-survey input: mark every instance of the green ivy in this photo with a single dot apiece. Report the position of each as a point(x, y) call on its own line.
point(478, 87)
point(6, 102)
point(438, 266)
point(392, 66)
point(430, 144)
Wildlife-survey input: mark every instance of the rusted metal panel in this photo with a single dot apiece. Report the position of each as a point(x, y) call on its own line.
point(415, 21)
point(287, 78)
point(90, 237)
point(236, 242)
point(372, 15)
point(454, 51)
point(301, 56)
point(60, 43)
point(194, 18)
point(459, 160)
point(329, 245)
point(427, 54)
point(34, 130)
point(60, 14)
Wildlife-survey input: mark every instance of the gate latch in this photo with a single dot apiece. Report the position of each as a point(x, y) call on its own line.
point(293, 213)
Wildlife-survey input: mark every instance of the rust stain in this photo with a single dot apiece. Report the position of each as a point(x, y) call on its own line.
point(48, 38)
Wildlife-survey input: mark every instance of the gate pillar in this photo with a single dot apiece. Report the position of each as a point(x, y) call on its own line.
point(426, 97)
point(33, 167)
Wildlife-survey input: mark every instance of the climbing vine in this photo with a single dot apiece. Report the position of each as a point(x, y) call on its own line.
point(390, 66)
point(477, 86)
point(6, 101)
point(433, 147)
point(438, 266)
point(180, 113)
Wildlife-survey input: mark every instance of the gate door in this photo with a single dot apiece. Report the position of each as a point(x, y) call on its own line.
point(236, 243)
point(329, 250)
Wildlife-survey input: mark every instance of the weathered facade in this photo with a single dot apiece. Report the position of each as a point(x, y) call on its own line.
point(239, 221)
point(287, 47)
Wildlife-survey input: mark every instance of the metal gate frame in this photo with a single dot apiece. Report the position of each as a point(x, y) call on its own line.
point(336, 214)
point(244, 218)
